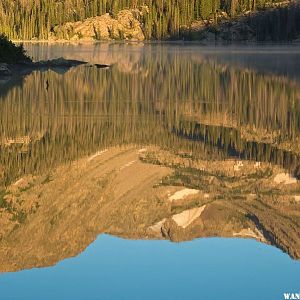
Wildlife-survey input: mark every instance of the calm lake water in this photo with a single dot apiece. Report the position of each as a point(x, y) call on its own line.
point(84, 214)
point(113, 268)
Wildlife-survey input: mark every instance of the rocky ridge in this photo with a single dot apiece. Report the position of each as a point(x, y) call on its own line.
point(126, 25)
point(61, 65)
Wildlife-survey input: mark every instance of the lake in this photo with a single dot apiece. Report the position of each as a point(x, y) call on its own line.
point(171, 174)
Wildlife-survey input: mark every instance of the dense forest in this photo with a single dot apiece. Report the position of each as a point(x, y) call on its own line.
point(29, 19)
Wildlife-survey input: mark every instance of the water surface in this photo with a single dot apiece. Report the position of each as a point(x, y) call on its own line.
point(89, 153)
point(203, 269)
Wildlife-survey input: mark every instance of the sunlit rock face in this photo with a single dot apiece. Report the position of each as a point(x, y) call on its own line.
point(176, 146)
point(125, 26)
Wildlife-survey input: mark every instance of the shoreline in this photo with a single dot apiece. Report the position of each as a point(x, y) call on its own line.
point(216, 44)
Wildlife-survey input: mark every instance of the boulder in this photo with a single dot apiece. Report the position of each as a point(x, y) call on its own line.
point(5, 70)
point(126, 25)
point(59, 62)
point(59, 65)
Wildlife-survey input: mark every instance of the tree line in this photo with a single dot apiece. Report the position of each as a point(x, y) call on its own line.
point(10, 53)
point(35, 18)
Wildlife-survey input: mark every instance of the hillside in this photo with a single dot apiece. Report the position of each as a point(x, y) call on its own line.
point(156, 19)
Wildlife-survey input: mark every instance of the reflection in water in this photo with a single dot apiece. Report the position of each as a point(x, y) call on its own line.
point(233, 143)
point(231, 134)
point(113, 268)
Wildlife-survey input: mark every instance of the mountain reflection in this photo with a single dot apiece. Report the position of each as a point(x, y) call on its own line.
point(226, 138)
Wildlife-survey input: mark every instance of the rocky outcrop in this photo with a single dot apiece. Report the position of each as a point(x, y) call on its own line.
point(126, 25)
point(5, 70)
point(58, 62)
point(59, 65)
point(5, 73)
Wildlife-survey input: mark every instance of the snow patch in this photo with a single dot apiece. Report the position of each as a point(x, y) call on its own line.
point(187, 217)
point(284, 178)
point(128, 164)
point(157, 227)
point(248, 232)
point(183, 194)
point(19, 181)
point(297, 198)
point(142, 150)
point(96, 155)
point(238, 166)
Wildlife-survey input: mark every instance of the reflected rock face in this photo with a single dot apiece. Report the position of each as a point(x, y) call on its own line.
point(148, 194)
point(214, 160)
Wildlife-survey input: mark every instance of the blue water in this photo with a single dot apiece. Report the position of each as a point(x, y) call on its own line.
point(113, 268)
